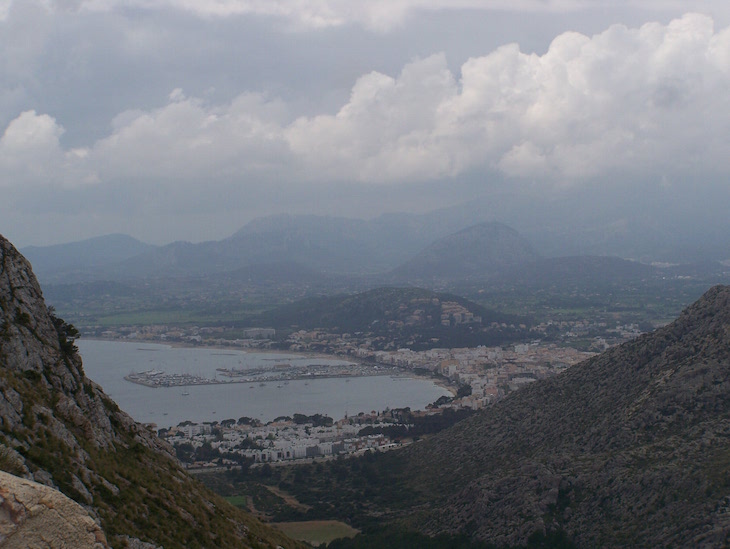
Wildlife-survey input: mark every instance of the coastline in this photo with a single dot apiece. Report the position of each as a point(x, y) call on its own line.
point(107, 361)
point(440, 382)
point(183, 345)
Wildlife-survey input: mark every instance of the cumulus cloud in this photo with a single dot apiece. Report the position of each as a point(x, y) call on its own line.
point(389, 129)
point(189, 139)
point(30, 153)
point(634, 100)
point(648, 101)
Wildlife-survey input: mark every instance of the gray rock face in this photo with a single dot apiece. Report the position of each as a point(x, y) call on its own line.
point(23, 312)
point(31, 344)
point(34, 515)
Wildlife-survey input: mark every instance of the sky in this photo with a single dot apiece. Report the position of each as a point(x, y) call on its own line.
point(185, 119)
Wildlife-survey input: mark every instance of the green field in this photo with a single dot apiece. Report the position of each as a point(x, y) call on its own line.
point(238, 501)
point(176, 317)
point(146, 318)
point(316, 532)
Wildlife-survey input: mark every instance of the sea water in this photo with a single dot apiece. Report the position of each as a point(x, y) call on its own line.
point(107, 362)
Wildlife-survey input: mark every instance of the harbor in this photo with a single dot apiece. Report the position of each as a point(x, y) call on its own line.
point(276, 373)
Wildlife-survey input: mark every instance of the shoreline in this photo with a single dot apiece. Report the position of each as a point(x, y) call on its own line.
point(440, 382)
point(181, 345)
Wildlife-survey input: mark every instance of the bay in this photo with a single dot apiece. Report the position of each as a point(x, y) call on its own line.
point(107, 362)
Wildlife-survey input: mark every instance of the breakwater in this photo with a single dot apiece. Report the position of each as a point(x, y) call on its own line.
point(275, 373)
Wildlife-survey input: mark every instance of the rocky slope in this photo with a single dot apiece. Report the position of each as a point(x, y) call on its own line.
point(34, 515)
point(58, 428)
point(630, 448)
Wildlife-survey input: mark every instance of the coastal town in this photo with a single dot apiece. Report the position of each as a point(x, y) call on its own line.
point(230, 443)
point(476, 377)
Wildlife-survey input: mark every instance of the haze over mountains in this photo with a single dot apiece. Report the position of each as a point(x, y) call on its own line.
point(453, 243)
point(80, 259)
point(478, 251)
point(404, 251)
point(280, 259)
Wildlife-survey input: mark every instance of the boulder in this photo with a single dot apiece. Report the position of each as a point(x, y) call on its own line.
point(36, 516)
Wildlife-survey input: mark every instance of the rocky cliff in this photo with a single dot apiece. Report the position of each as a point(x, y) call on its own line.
point(59, 429)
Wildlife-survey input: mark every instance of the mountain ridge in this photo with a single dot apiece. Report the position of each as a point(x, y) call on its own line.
point(630, 448)
point(84, 257)
point(328, 244)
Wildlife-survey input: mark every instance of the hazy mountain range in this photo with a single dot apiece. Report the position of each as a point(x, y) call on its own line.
point(400, 250)
point(452, 243)
point(478, 251)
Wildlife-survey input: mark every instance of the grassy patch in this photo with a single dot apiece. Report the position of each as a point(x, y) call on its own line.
point(238, 501)
point(316, 532)
point(177, 316)
point(144, 318)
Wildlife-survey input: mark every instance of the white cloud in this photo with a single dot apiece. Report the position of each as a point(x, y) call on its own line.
point(188, 139)
point(387, 131)
point(644, 101)
point(627, 99)
point(30, 153)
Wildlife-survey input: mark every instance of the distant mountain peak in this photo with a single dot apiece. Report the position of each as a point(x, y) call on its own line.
point(474, 252)
point(56, 262)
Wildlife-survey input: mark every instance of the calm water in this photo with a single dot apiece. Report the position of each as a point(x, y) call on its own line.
point(107, 362)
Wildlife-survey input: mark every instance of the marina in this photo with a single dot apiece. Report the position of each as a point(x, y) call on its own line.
point(277, 373)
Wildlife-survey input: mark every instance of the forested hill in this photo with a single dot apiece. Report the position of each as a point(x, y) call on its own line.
point(414, 316)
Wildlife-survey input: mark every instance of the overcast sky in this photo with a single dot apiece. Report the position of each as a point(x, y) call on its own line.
point(184, 119)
